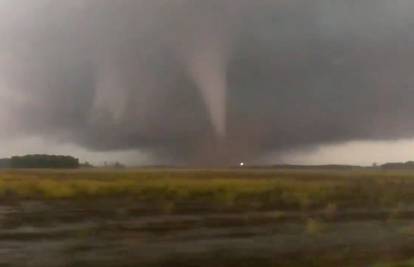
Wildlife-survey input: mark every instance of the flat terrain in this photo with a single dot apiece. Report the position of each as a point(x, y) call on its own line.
point(239, 217)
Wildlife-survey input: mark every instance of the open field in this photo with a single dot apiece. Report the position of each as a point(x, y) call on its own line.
point(218, 190)
point(211, 218)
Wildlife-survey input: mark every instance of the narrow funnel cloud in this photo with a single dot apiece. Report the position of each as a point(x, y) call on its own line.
point(206, 53)
point(208, 69)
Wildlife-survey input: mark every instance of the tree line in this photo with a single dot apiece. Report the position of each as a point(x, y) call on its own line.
point(40, 161)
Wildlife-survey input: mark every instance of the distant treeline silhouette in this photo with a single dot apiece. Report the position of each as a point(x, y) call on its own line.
point(409, 165)
point(317, 167)
point(40, 161)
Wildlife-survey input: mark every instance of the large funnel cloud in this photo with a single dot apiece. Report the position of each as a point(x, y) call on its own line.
point(208, 69)
point(206, 82)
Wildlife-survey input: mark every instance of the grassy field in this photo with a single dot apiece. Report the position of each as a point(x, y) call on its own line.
point(239, 217)
point(219, 190)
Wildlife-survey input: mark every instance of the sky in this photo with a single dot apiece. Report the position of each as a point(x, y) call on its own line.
point(213, 82)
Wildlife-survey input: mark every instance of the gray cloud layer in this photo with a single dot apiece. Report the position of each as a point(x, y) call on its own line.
point(207, 81)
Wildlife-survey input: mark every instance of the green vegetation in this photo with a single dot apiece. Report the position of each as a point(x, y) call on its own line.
point(402, 264)
point(40, 161)
point(328, 191)
point(239, 217)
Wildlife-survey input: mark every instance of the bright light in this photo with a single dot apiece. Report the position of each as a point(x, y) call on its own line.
point(241, 164)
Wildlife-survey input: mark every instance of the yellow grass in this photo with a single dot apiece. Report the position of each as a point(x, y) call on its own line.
point(249, 189)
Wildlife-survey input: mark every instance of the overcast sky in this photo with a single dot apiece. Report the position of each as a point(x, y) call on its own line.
point(208, 82)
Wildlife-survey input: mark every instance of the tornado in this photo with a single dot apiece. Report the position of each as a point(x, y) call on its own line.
point(208, 69)
point(206, 53)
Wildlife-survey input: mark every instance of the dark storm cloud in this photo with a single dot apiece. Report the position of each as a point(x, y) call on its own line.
point(207, 81)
